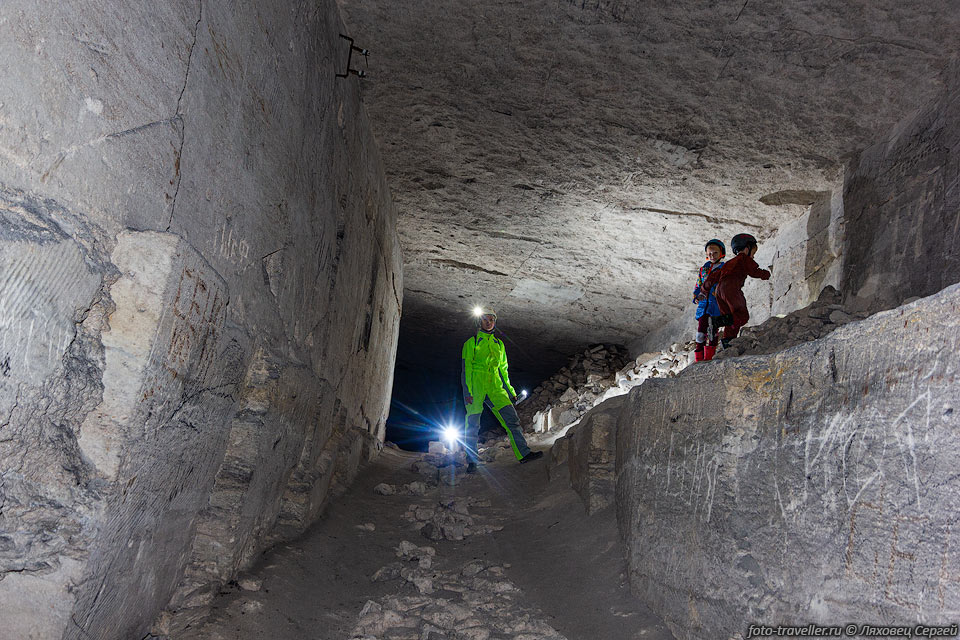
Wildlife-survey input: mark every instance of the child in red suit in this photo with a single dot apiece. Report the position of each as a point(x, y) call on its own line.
point(729, 280)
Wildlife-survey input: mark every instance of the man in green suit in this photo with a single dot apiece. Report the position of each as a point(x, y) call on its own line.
point(485, 380)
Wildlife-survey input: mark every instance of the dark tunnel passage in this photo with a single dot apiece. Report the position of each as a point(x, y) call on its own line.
point(427, 395)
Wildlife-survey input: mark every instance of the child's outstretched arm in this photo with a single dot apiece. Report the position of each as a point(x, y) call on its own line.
point(754, 271)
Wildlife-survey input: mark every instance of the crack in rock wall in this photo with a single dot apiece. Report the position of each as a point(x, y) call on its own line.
point(811, 485)
point(202, 287)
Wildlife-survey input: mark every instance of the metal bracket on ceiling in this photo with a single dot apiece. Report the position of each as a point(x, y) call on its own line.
point(357, 72)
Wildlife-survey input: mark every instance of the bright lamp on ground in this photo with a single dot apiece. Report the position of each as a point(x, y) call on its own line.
point(451, 434)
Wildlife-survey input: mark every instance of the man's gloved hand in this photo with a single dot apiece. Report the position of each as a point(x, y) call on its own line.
point(468, 399)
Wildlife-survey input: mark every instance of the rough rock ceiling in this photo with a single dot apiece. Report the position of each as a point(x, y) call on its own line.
point(564, 160)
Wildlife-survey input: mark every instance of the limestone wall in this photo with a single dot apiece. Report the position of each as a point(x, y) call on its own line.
point(589, 451)
point(201, 282)
point(901, 198)
point(813, 485)
point(886, 235)
point(806, 254)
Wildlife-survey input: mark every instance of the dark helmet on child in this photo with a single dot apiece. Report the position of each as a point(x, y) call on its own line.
point(723, 249)
point(742, 241)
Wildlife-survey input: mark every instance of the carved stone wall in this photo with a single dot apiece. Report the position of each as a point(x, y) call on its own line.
point(901, 198)
point(815, 485)
point(886, 234)
point(589, 449)
point(201, 285)
point(806, 254)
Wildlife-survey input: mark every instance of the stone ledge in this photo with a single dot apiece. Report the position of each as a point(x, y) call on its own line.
point(591, 454)
point(813, 485)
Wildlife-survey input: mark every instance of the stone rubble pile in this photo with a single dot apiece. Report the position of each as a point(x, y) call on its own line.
point(563, 399)
point(803, 325)
point(488, 606)
point(419, 575)
point(411, 488)
point(450, 519)
point(428, 463)
point(496, 451)
point(470, 602)
point(434, 467)
point(551, 411)
point(583, 372)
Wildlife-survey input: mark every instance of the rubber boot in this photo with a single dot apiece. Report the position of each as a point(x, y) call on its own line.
point(698, 353)
point(708, 352)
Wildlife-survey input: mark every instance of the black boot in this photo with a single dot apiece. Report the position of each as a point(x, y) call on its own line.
point(533, 455)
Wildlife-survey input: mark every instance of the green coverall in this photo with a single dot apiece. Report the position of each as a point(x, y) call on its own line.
point(484, 375)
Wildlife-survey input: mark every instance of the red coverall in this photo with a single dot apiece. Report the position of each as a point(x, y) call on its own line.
point(730, 289)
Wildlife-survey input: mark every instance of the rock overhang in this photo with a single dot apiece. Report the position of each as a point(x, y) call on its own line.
point(565, 161)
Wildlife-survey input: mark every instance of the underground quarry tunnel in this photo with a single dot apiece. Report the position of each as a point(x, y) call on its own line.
point(240, 247)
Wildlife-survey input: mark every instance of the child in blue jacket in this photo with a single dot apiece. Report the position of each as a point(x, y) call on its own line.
point(707, 310)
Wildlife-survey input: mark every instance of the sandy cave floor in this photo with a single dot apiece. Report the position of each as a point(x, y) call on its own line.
point(550, 572)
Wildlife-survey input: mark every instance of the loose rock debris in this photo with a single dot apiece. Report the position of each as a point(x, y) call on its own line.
point(450, 519)
point(563, 399)
point(249, 582)
point(478, 604)
point(497, 451)
point(473, 601)
point(412, 488)
point(803, 325)
point(562, 393)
